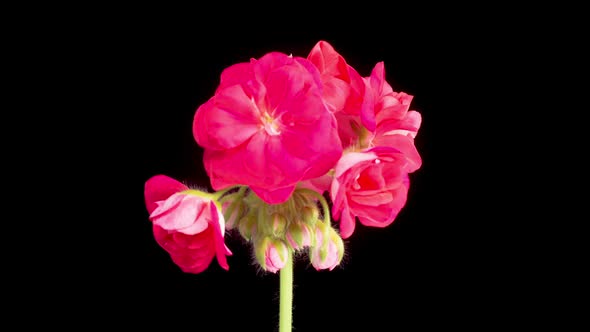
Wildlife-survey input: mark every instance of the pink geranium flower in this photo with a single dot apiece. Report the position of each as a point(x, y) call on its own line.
point(186, 224)
point(396, 125)
point(371, 185)
point(344, 92)
point(267, 127)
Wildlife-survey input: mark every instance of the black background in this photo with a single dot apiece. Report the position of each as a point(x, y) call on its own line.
point(134, 81)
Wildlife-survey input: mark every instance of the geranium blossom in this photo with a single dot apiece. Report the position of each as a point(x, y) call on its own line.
point(392, 113)
point(371, 185)
point(187, 225)
point(267, 127)
point(344, 91)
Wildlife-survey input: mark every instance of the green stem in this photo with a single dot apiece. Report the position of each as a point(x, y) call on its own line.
point(286, 295)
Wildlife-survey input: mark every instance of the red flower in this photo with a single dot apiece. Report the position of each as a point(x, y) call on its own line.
point(371, 185)
point(344, 91)
point(267, 127)
point(186, 224)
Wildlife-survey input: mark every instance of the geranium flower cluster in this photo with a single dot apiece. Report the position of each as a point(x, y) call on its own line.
point(282, 135)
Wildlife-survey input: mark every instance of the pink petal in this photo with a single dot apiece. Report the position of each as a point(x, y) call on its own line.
point(358, 92)
point(236, 74)
point(226, 121)
point(377, 78)
point(407, 126)
point(292, 90)
point(276, 196)
point(319, 147)
point(375, 216)
point(224, 167)
point(201, 126)
point(266, 164)
point(320, 184)
point(220, 249)
point(381, 216)
point(192, 262)
point(347, 223)
point(406, 180)
point(167, 206)
point(267, 63)
point(185, 217)
point(328, 61)
point(160, 235)
point(334, 74)
point(352, 159)
point(315, 140)
point(312, 70)
point(184, 241)
point(159, 188)
point(373, 200)
point(371, 177)
point(405, 144)
point(338, 198)
point(393, 106)
point(367, 106)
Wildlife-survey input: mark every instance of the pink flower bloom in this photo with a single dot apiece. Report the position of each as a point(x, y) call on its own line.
point(387, 104)
point(188, 226)
point(370, 185)
point(343, 91)
point(396, 125)
point(343, 88)
point(267, 127)
point(391, 108)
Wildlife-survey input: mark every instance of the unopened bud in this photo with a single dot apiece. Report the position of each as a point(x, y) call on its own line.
point(328, 250)
point(232, 211)
point(278, 223)
point(310, 214)
point(272, 254)
point(300, 235)
point(247, 227)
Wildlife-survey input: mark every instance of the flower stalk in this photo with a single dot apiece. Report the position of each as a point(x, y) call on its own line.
point(286, 295)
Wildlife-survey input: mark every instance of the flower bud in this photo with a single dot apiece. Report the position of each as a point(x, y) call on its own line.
point(232, 211)
point(248, 227)
point(310, 214)
point(276, 225)
point(272, 254)
point(328, 249)
point(300, 235)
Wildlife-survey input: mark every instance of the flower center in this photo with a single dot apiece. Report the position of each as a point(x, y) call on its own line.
point(270, 124)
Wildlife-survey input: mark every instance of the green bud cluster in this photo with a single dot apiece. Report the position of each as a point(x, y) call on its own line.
point(291, 225)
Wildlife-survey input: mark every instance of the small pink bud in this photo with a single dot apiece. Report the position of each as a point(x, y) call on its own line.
point(278, 224)
point(328, 249)
point(272, 254)
point(300, 235)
